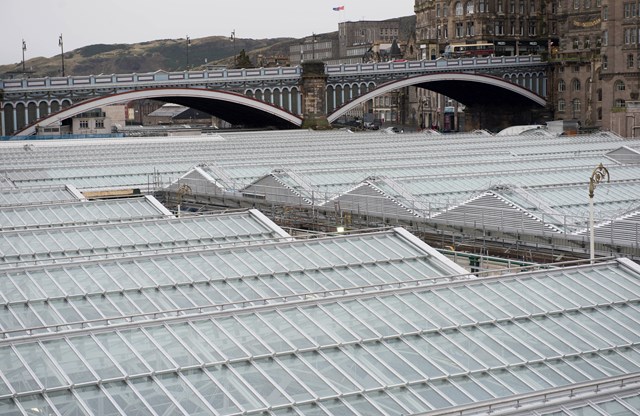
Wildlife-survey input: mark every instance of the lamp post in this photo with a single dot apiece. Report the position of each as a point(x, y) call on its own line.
point(188, 43)
point(24, 48)
point(61, 44)
point(597, 176)
point(233, 40)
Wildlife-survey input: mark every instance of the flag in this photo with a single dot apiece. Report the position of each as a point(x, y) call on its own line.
point(337, 9)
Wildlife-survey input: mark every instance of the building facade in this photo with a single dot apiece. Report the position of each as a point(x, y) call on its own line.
point(513, 26)
point(596, 68)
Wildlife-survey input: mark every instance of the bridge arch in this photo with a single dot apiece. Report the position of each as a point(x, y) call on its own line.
point(232, 107)
point(445, 83)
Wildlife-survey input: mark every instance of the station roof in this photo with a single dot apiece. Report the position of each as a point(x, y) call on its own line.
point(234, 276)
point(410, 347)
point(39, 246)
point(81, 212)
point(39, 195)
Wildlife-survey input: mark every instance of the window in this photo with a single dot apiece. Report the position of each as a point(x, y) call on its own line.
point(619, 103)
point(587, 4)
point(599, 113)
point(576, 43)
point(619, 85)
point(521, 7)
point(605, 38)
point(499, 28)
point(438, 10)
point(469, 7)
point(561, 105)
point(630, 10)
point(630, 36)
point(605, 13)
point(459, 29)
point(576, 4)
point(84, 124)
point(500, 8)
point(630, 60)
point(532, 28)
point(458, 8)
point(512, 6)
point(575, 85)
point(532, 7)
point(587, 43)
point(482, 6)
point(562, 86)
point(605, 62)
point(99, 124)
point(577, 106)
point(471, 29)
point(599, 95)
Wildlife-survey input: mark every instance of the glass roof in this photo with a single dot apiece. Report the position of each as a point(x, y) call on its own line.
point(39, 195)
point(334, 158)
point(393, 351)
point(39, 246)
point(82, 212)
point(145, 286)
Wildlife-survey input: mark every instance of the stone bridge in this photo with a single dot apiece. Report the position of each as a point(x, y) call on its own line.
point(313, 95)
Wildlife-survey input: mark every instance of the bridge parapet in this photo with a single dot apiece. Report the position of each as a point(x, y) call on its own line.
point(252, 74)
point(125, 80)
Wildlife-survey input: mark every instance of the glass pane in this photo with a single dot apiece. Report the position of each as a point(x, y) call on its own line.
point(352, 368)
point(184, 395)
point(242, 335)
point(235, 387)
point(66, 403)
point(197, 344)
point(122, 354)
point(211, 392)
point(260, 384)
point(95, 356)
point(317, 385)
point(287, 330)
point(155, 397)
point(147, 349)
point(97, 401)
point(15, 372)
point(9, 408)
point(69, 361)
point(36, 405)
point(128, 401)
point(614, 408)
point(336, 378)
point(228, 347)
point(284, 379)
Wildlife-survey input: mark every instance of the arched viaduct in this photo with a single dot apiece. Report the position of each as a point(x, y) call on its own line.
point(258, 99)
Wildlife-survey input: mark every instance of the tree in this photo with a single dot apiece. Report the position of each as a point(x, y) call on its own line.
point(243, 61)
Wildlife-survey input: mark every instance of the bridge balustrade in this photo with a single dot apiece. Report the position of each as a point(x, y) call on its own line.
point(255, 73)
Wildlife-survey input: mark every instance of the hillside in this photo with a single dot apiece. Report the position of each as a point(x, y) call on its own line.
point(166, 54)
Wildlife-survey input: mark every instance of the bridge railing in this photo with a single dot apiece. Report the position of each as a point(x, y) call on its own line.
point(101, 81)
point(403, 65)
point(223, 75)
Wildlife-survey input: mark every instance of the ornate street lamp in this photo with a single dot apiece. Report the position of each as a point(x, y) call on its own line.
point(597, 176)
point(24, 48)
point(61, 44)
point(188, 43)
